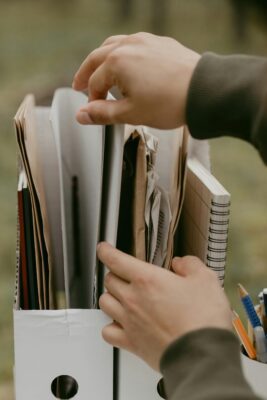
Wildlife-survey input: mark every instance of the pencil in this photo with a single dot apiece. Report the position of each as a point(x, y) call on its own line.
point(249, 307)
point(243, 336)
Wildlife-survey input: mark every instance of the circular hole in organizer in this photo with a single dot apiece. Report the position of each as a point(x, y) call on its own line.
point(161, 389)
point(64, 387)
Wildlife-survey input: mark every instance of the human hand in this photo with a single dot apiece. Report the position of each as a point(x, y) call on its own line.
point(152, 73)
point(151, 306)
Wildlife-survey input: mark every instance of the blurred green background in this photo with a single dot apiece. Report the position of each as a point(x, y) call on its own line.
point(43, 42)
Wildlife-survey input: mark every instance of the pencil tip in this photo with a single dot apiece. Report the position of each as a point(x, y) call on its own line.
point(234, 314)
point(242, 290)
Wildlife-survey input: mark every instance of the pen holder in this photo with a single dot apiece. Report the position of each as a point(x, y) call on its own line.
point(255, 373)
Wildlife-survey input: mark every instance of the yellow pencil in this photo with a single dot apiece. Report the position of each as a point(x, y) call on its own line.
point(243, 336)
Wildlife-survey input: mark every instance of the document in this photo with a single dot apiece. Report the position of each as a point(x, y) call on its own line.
point(80, 151)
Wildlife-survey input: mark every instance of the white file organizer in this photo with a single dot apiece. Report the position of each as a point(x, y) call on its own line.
point(50, 344)
point(136, 379)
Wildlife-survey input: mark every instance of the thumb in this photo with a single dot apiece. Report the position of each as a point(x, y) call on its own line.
point(104, 112)
point(185, 266)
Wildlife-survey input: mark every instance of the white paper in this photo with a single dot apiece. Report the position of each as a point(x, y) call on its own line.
point(80, 153)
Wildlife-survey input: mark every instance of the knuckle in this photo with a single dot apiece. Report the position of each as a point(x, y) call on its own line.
point(98, 116)
point(115, 57)
point(108, 278)
point(143, 280)
point(92, 56)
point(112, 260)
point(130, 302)
point(138, 37)
point(110, 38)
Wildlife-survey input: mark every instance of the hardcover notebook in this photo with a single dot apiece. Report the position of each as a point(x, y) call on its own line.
point(78, 185)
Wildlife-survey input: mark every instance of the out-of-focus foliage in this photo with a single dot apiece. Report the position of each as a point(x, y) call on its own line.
point(41, 45)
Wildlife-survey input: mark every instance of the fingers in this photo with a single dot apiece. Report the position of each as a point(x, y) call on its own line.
point(101, 81)
point(124, 266)
point(105, 112)
point(89, 65)
point(112, 307)
point(185, 266)
point(116, 286)
point(115, 335)
point(94, 60)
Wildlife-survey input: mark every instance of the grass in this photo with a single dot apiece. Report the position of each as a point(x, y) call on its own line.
point(42, 44)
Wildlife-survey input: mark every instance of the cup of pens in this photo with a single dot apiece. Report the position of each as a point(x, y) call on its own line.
point(253, 341)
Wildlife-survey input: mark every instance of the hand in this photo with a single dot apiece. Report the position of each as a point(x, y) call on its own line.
point(151, 306)
point(153, 74)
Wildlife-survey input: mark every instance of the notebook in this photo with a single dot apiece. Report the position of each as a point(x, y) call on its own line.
point(205, 218)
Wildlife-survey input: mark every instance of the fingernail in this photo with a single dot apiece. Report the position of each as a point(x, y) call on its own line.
point(84, 118)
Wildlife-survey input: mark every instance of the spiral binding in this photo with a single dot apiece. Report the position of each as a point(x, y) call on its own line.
point(218, 237)
point(16, 294)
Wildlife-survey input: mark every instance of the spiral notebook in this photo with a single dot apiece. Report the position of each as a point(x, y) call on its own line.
point(205, 218)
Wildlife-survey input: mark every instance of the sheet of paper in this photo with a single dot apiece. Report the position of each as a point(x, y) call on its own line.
point(165, 219)
point(34, 155)
point(80, 152)
point(140, 186)
point(170, 165)
point(42, 270)
point(29, 235)
point(113, 160)
point(48, 163)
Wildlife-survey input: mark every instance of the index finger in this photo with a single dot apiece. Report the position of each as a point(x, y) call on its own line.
point(121, 264)
point(89, 65)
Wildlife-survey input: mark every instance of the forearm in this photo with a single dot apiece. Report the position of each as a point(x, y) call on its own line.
point(228, 96)
point(205, 365)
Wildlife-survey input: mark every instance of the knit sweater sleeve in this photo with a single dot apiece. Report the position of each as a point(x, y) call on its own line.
point(228, 96)
point(205, 365)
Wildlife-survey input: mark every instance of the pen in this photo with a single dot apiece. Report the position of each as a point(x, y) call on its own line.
point(243, 336)
point(249, 307)
point(263, 303)
point(264, 292)
point(261, 344)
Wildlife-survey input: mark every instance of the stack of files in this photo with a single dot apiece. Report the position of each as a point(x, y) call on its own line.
point(78, 185)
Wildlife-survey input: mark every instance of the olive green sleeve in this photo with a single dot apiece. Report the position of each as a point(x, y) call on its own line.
point(228, 97)
point(205, 365)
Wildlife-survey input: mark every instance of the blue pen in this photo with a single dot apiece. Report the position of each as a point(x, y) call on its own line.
point(249, 307)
